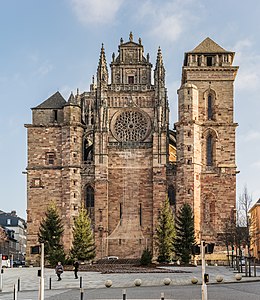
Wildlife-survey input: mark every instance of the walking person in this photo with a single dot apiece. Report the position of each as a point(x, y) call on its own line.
point(76, 268)
point(59, 270)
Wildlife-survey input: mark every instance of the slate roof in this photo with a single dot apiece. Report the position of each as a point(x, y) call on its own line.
point(53, 102)
point(208, 46)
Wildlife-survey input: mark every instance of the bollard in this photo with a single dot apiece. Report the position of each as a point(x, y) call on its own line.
point(162, 296)
point(124, 294)
point(15, 293)
point(50, 283)
point(80, 282)
point(18, 285)
point(81, 293)
point(1, 280)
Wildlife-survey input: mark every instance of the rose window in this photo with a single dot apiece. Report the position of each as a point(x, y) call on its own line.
point(131, 126)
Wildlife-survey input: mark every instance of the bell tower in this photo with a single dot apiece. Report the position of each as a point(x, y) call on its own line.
point(206, 166)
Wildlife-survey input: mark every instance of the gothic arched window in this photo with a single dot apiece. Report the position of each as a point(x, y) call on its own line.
point(209, 150)
point(171, 195)
point(210, 107)
point(90, 198)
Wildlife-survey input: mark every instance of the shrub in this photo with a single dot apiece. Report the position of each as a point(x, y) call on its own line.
point(146, 258)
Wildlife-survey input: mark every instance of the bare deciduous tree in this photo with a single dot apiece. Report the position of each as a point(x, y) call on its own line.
point(243, 221)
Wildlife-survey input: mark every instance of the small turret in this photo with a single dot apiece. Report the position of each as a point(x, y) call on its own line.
point(72, 110)
point(72, 99)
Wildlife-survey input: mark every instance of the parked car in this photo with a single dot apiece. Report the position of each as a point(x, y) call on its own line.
point(111, 257)
point(18, 263)
point(5, 263)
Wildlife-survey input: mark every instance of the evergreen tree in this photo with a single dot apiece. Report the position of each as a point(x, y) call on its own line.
point(50, 233)
point(83, 245)
point(185, 236)
point(165, 233)
point(146, 258)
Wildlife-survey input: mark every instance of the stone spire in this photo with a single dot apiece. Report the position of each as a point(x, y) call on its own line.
point(102, 71)
point(160, 93)
point(72, 99)
point(159, 72)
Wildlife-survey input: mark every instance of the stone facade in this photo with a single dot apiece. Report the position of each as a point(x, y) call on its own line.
point(254, 229)
point(111, 150)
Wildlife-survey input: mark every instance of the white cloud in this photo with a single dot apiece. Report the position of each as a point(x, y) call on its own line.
point(249, 62)
point(167, 21)
point(44, 69)
point(96, 11)
point(169, 28)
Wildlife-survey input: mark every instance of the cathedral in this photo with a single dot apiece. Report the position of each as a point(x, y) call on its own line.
point(112, 151)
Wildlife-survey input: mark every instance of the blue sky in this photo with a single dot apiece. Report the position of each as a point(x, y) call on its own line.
point(49, 45)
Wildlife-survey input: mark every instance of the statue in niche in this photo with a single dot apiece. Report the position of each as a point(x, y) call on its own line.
point(88, 150)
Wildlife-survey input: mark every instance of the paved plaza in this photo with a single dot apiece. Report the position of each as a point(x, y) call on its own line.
point(29, 281)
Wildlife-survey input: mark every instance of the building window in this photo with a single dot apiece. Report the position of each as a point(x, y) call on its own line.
point(120, 212)
point(209, 61)
point(8, 221)
point(131, 79)
point(89, 197)
point(209, 150)
point(140, 213)
point(50, 157)
point(171, 195)
point(55, 115)
point(210, 110)
point(36, 182)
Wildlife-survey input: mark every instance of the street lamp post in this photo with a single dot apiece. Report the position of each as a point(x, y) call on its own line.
point(204, 293)
point(41, 291)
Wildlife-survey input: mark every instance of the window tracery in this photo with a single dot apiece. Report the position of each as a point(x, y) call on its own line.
point(131, 126)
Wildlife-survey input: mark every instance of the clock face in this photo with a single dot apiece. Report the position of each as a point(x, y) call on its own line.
point(130, 125)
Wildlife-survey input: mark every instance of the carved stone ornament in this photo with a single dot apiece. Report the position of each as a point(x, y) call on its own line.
point(130, 125)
